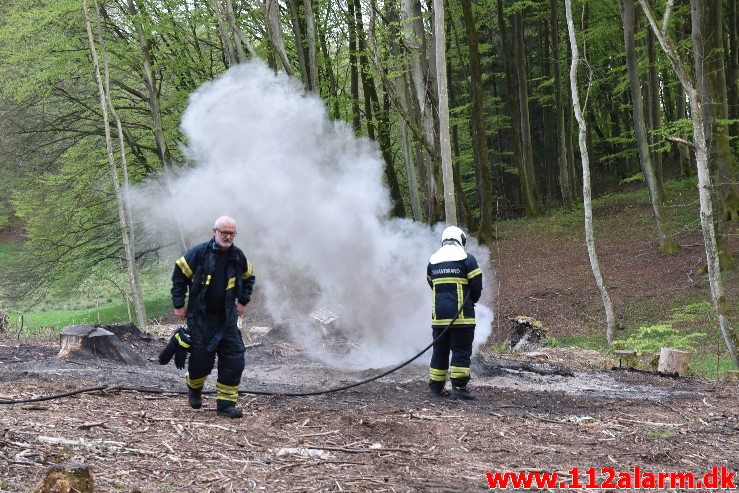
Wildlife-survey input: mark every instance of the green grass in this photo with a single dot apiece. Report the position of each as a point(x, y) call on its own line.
point(43, 322)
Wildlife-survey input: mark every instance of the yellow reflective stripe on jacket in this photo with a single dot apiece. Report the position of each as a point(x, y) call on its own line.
point(179, 339)
point(249, 271)
point(445, 321)
point(450, 280)
point(476, 272)
point(460, 296)
point(231, 282)
point(185, 268)
point(207, 280)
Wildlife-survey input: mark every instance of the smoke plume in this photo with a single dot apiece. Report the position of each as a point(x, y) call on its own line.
point(312, 213)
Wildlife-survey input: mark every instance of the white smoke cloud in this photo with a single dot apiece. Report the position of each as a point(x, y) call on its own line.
point(312, 213)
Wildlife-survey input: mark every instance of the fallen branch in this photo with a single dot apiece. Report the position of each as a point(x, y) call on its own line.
point(684, 142)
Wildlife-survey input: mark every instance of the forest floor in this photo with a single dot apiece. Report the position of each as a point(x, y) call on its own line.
point(390, 435)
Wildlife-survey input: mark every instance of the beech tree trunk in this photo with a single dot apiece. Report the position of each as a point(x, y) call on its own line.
point(667, 243)
point(123, 215)
point(587, 205)
point(563, 165)
point(272, 15)
point(479, 134)
point(310, 36)
point(705, 186)
point(450, 205)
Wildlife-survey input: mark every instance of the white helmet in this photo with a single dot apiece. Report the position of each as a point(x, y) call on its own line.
point(453, 233)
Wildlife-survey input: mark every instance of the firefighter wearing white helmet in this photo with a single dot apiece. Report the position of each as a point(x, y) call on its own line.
point(452, 273)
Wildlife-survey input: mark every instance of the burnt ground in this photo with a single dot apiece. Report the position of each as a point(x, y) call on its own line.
point(389, 435)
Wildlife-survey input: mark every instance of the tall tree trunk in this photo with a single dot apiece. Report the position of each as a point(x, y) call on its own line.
point(299, 48)
point(374, 113)
point(710, 76)
point(512, 98)
point(705, 185)
point(274, 31)
point(125, 226)
point(353, 67)
point(310, 36)
point(686, 168)
point(589, 235)
point(333, 86)
point(450, 205)
point(522, 85)
point(401, 85)
point(653, 99)
point(563, 165)
point(224, 34)
point(231, 18)
point(732, 66)
point(479, 134)
point(667, 243)
point(424, 92)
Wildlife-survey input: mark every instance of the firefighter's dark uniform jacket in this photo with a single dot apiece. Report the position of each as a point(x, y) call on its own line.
point(452, 274)
point(451, 278)
point(211, 335)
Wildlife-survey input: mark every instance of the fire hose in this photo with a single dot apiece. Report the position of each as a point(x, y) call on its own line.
point(117, 388)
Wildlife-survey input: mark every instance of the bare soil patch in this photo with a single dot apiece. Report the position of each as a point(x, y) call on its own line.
point(388, 435)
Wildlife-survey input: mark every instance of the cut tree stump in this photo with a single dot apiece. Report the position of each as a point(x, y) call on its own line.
point(526, 334)
point(673, 361)
point(68, 478)
point(92, 341)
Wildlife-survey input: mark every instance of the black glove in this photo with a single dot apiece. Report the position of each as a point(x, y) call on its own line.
point(178, 346)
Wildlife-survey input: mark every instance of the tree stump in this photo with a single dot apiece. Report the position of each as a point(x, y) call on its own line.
point(526, 334)
point(62, 478)
point(673, 361)
point(4, 322)
point(91, 341)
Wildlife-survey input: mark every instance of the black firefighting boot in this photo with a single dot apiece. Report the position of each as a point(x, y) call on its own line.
point(194, 398)
point(436, 389)
point(228, 410)
point(463, 394)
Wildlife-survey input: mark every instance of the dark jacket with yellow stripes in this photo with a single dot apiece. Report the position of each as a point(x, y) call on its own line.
point(451, 281)
point(193, 272)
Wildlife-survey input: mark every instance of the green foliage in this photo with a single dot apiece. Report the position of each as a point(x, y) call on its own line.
point(639, 177)
point(650, 339)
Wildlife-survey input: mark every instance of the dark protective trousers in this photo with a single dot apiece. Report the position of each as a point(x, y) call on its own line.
point(229, 349)
point(458, 341)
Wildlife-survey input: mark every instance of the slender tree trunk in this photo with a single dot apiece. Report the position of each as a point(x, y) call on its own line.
point(563, 165)
point(667, 243)
point(479, 134)
point(298, 35)
point(732, 71)
point(374, 114)
point(401, 83)
point(223, 32)
point(274, 31)
point(711, 83)
point(589, 235)
point(527, 196)
point(310, 35)
point(653, 99)
point(353, 67)
point(705, 185)
point(231, 18)
point(686, 168)
point(333, 86)
point(522, 84)
point(128, 247)
point(424, 91)
point(450, 205)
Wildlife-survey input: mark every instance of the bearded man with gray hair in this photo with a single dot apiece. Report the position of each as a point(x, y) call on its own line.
point(218, 280)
